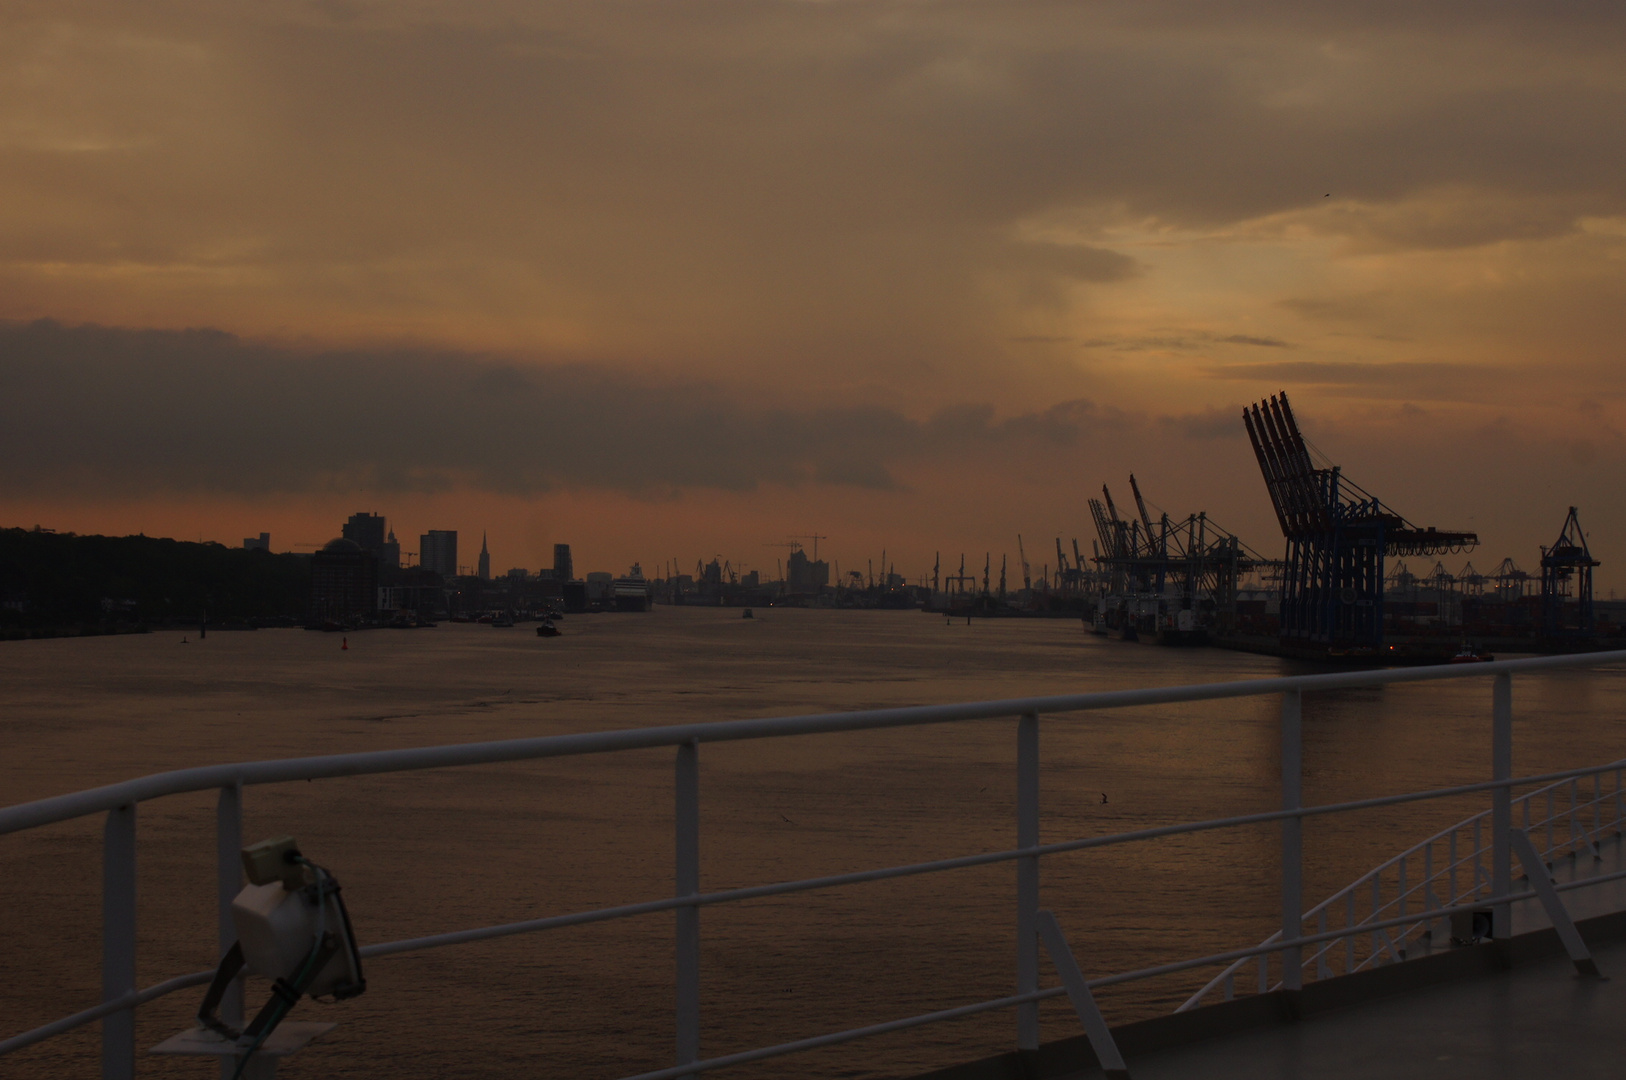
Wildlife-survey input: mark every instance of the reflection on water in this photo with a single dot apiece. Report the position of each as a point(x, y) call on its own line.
point(427, 852)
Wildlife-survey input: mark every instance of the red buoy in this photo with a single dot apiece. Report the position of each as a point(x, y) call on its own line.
point(346, 644)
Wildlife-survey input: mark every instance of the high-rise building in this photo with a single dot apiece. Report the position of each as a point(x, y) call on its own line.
point(437, 551)
point(485, 559)
point(366, 531)
point(562, 569)
point(259, 543)
point(391, 555)
point(805, 575)
point(344, 582)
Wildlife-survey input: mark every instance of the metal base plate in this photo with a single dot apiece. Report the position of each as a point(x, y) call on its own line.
point(289, 1037)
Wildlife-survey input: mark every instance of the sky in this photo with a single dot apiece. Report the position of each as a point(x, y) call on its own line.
point(669, 281)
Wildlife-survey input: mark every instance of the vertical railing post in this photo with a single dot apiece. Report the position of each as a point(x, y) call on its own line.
point(1479, 855)
point(1565, 837)
point(1501, 804)
point(119, 940)
point(1377, 910)
point(1597, 809)
point(1292, 838)
point(687, 815)
point(1430, 901)
point(1027, 879)
point(1552, 812)
point(1451, 898)
point(1323, 970)
point(1349, 941)
point(228, 882)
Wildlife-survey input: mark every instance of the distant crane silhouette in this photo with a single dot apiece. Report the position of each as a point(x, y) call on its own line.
point(815, 537)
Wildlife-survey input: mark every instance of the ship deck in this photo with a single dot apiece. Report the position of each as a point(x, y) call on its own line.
point(1535, 1018)
point(1513, 1008)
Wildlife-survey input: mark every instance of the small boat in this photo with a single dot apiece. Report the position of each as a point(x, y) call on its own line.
point(547, 629)
point(747, 614)
point(502, 620)
point(1470, 655)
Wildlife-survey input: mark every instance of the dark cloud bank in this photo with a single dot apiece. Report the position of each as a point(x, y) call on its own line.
point(97, 410)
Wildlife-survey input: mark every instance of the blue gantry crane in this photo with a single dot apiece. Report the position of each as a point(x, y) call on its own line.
point(1568, 560)
point(1338, 535)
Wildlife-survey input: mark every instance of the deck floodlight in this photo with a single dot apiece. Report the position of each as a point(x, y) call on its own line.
point(292, 928)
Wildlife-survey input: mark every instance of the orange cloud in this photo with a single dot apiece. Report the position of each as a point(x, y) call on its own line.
point(852, 262)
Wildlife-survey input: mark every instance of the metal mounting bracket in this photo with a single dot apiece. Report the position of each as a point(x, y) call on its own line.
point(1078, 992)
point(1579, 832)
point(1542, 879)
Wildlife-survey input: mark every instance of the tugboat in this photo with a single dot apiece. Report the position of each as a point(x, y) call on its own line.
point(547, 629)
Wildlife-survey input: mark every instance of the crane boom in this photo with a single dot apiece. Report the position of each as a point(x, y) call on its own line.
point(1145, 518)
point(1124, 543)
point(815, 537)
point(1112, 509)
point(1027, 577)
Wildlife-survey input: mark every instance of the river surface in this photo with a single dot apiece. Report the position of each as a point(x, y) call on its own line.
point(428, 852)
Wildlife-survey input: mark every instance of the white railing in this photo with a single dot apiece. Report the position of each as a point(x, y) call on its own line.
point(120, 996)
point(1452, 869)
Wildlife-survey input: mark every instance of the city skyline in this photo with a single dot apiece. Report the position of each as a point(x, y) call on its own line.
point(669, 282)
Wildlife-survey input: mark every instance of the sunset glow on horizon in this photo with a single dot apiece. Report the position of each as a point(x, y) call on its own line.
point(673, 281)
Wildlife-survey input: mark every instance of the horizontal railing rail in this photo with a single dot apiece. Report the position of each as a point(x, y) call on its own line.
point(118, 802)
point(331, 766)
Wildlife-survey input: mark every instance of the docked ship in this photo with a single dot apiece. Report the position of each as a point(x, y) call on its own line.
point(630, 592)
point(1176, 582)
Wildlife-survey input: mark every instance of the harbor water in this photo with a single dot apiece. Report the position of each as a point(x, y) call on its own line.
point(428, 852)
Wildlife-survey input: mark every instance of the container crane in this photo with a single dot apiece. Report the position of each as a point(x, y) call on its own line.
point(1338, 535)
point(1568, 558)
